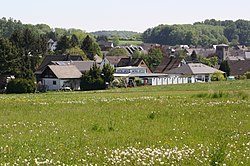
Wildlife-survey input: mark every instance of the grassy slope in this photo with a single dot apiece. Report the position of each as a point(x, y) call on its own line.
point(130, 42)
point(208, 123)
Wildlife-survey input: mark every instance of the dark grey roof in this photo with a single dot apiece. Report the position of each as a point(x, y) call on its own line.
point(238, 67)
point(167, 64)
point(48, 59)
point(129, 62)
point(114, 60)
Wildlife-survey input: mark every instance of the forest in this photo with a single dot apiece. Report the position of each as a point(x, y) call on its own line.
point(205, 33)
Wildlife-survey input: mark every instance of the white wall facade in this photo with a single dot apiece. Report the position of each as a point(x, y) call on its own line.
point(57, 84)
point(177, 79)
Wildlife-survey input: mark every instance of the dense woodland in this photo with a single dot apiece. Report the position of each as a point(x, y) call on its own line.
point(204, 34)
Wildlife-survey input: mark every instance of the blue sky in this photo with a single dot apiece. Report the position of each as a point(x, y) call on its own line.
point(135, 15)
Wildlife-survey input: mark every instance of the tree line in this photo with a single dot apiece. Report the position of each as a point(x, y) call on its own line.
point(206, 33)
point(123, 35)
point(23, 46)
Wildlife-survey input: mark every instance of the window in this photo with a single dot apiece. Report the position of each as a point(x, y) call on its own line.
point(54, 82)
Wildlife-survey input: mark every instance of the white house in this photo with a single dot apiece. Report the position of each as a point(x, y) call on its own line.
point(130, 73)
point(196, 72)
point(55, 77)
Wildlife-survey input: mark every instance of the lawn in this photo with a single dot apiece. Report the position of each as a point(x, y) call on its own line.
point(130, 42)
point(191, 124)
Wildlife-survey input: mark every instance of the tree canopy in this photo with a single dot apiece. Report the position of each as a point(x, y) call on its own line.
point(96, 79)
point(204, 33)
point(90, 47)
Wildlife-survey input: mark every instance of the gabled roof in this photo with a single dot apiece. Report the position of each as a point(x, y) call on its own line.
point(114, 60)
point(82, 66)
point(130, 62)
point(48, 59)
point(65, 72)
point(168, 63)
point(193, 69)
point(238, 67)
point(201, 51)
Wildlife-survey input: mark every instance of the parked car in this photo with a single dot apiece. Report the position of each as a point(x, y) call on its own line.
point(65, 88)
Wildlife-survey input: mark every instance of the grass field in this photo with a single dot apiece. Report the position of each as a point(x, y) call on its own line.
point(130, 42)
point(191, 124)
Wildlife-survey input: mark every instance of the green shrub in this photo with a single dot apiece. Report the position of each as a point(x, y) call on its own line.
point(247, 74)
point(138, 82)
point(217, 76)
point(152, 115)
point(120, 83)
point(21, 86)
point(243, 77)
point(90, 83)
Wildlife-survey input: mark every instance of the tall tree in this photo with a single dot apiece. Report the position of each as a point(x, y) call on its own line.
point(63, 44)
point(92, 80)
point(74, 41)
point(116, 40)
point(154, 57)
point(108, 73)
point(194, 56)
point(90, 47)
point(9, 59)
point(225, 67)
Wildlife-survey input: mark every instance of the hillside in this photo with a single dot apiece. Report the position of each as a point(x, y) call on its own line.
point(122, 34)
point(206, 33)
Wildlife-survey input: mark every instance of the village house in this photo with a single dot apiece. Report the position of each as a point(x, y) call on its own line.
point(49, 78)
point(56, 77)
point(169, 63)
point(131, 73)
point(135, 62)
point(105, 45)
point(47, 60)
point(113, 60)
point(238, 67)
point(196, 72)
point(131, 49)
point(82, 66)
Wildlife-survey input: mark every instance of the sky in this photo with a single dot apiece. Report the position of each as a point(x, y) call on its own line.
point(131, 15)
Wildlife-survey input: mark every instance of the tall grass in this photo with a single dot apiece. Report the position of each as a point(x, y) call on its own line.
point(194, 124)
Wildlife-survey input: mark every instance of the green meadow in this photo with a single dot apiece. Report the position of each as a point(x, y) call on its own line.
point(130, 42)
point(191, 124)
